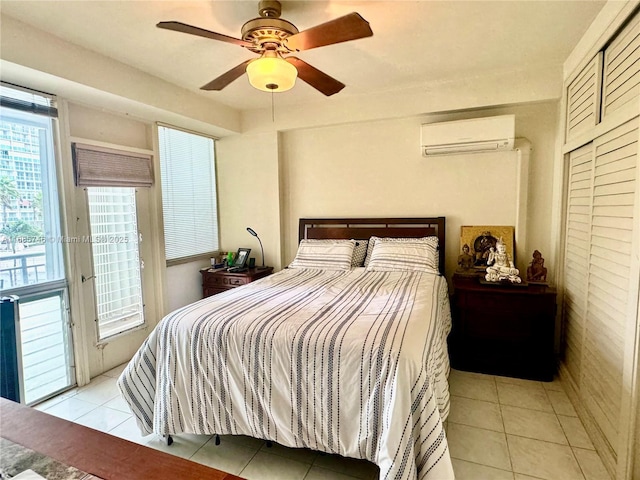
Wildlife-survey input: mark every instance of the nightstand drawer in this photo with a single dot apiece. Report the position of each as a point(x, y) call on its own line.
point(217, 281)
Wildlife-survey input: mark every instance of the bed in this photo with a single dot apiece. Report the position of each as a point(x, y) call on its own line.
point(349, 361)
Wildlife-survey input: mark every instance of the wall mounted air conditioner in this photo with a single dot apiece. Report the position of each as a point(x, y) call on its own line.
point(468, 136)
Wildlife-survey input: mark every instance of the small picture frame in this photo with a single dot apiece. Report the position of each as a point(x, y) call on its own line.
point(242, 257)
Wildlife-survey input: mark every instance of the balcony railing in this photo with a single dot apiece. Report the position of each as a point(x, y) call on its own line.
point(20, 269)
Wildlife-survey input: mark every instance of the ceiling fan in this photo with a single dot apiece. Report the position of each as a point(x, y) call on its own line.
point(274, 39)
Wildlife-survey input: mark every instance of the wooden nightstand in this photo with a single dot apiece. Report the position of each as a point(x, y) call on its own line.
point(503, 329)
point(216, 281)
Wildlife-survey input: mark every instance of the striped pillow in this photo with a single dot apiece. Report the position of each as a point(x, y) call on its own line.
point(409, 256)
point(324, 254)
point(433, 241)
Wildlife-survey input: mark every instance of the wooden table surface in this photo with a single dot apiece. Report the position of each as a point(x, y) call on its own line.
point(98, 453)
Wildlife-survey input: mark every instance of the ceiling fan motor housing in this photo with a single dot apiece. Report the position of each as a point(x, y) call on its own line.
point(268, 31)
point(260, 31)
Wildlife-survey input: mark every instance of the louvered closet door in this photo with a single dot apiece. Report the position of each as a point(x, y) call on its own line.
point(621, 82)
point(583, 99)
point(609, 282)
point(576, 255)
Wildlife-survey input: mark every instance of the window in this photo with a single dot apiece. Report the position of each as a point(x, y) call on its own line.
point(189, 205)
point(116, 259)
point(31, 253)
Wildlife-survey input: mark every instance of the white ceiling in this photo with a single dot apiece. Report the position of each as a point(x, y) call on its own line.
point(414, 43)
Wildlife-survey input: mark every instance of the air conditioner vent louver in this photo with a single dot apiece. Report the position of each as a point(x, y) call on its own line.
point(468, 136)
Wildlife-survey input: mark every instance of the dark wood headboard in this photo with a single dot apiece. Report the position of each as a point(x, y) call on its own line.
point(363, 228)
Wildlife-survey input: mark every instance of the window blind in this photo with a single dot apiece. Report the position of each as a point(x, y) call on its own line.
point(189, 201)
point(27, 100)
point(105, 167)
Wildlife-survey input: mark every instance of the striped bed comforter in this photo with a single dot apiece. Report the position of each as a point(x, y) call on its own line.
point(353, 363)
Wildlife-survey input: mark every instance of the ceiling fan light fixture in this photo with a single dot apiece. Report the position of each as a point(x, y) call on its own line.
point(272, 73)
point(271, 37)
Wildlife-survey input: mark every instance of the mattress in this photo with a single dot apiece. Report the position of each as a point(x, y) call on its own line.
point(353, 363)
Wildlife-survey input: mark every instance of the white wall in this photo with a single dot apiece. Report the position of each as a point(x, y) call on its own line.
point(184, 284)
point(249, 194)
point(376, 169)
point(96, 124)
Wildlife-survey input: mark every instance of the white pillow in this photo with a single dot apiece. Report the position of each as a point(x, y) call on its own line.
point(324, 254)
point(409, 256)
point(429, 240)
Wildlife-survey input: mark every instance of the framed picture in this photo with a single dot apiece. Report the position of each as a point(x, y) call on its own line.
point(242, 257)
point(482, 238)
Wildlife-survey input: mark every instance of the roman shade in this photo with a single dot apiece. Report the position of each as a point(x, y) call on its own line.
point(106, 167)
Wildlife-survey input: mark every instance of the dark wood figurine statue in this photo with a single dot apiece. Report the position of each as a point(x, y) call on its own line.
point(465, 261)
point(537, 272)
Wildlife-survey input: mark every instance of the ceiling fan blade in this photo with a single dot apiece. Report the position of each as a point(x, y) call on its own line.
point(342, 29)
point(228, 77)
point(314, 77)
point(201, 32)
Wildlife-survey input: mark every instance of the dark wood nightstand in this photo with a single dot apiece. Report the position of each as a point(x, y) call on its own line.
point(503, 329)
point(216, 281)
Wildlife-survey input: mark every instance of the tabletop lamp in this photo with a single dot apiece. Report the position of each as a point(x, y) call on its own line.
point(252, 232)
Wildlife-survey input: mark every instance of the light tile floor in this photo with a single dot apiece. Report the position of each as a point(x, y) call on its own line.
point(498, 428)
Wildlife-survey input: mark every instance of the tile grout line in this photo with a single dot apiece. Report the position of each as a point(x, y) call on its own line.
point(517, 435)
point(125, 420)
point(582, 472)
point(200, 448)
point(250, 460)
point(573, 455)
point(504, 429)
point(483, 465)
point(566, 437)
point(306, 474)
